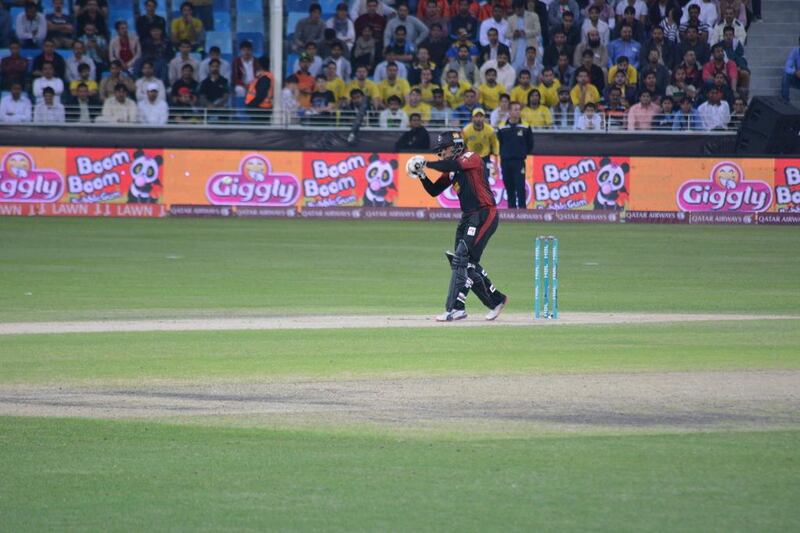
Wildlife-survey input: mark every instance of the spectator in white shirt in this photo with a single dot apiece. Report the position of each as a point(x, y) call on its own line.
point(715, 112)
point(496, 21)
point(15, 107)
point(78, 58)
point(31, 27)
point(152, 109)
point(181, 59)
point(344, 27)
point(393, 117)
point(146, 80)
point(120, 109)
point(380, 68)
point(47, 79)
point(594, 21)
point(708, 12)
point(49, 110)
point(590, 119)
point(224, 66)
point(506, 75)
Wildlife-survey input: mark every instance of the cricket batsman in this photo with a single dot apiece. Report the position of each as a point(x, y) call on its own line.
point(466, 173)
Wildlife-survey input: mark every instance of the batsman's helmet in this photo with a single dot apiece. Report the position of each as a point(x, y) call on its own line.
point(449, 138)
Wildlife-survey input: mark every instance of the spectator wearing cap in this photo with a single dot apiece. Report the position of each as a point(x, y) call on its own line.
point(84, 106)
point(315, 62)
point(563, 112)
point(558, 7)
point(13, 67)
point(584, 92)
point(78, 58)
point(31, 27)
point(15, 107)
point(187, 27)
point(467, 71)
point(148, 78)
point(489, 91)
point(791, 73)
point(536, 114)
point(125, 47)
point(497, 22)
point(393, 85)
point(463, 19)
point(480, 137)
point(624, 46)
point(593, 21)
point(506, 75)
point(345, 29)
point(60, 25)
point(305, 81)
point(523, 32)
point(186, 80)
point(462, 114)
point(393, 117)
point(641, 114)
point(715, 112)
point(590, 119)
point(49, 110)
point(415, 106)
point(548, 87)
point(437, 44)
point(150, 20)
point(224, 66)
point(416, 31)
point(181, 59)
point(372, 18)
point(629, 19)
point(416, 138)
point(120, 109)
point(47, 80)
point(152, 109)
point(244, 68)
point(184, 111)
point(720, 64)
point(309, 29)
point(686, 118)
point(494, 47)
point(214, 90)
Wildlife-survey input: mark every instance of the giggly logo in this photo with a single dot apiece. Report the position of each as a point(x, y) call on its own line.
point(254, 184)
point(725, 190)
point(449, 198)
point(21, 182)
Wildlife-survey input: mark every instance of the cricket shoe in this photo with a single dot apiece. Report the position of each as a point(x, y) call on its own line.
point(495, 312)
point(450, 316)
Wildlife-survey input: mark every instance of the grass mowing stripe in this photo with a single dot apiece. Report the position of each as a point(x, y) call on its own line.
point(330, 353)
point(54, 269)
point(119, 476)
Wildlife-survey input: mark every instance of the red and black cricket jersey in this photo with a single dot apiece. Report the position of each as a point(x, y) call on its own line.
point(470, 183)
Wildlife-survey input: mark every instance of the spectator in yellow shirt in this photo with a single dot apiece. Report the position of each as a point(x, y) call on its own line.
point(426, 85)
point(584, 92)
point(392, 85)
point(188, 28)
point(454, 90)
point(624, 65)
point(479, 137)
point(489, 92)
point(83, 73)
point(548, 88)
point(520, 91)
point(416, 105)
point(334, 83)
point(368, 87)
point(535, 114)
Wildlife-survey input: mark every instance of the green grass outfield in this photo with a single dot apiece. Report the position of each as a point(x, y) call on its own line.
point(79, 474)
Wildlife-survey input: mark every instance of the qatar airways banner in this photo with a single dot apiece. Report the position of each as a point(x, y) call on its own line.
point(361, 185)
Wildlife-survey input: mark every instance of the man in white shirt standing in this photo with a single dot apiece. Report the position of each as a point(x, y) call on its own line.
point(708, 12)
point(47, 79)
point(15, 107)
point(715, 112)
point(496, 21)
point(120, 109)
point(152, 110)
point(78, 58)
point(31, 27)
point(49, 110)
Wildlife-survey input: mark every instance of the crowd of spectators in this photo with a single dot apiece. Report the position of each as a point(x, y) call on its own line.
point(582, 64)
point(73, 64)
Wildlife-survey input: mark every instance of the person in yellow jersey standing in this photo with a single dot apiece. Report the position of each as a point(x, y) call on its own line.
point(481, 138)
point(260, 90)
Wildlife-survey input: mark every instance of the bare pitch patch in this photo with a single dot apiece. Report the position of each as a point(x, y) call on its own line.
point(673, 401)
point(363, 321)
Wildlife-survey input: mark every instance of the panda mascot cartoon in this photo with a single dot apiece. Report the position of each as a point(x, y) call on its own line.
point(380, 182)
point(144, 176)
point(611, 192)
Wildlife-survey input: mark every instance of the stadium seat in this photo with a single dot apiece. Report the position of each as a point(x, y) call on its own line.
point(250, 6)
point(250, 22)
point(31, 53)
point(220, 38)
point(328, 7)
point(290, 59)
point(256, 38)
point(4, 52)
point(161, 8)
point(297, 5)
point(222, 5)
point(14, 12)
point(119, 5)
point(222, 21)
point(291, 22)
point(125, 14)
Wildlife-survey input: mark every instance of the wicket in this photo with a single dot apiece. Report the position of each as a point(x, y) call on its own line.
point(545, 277)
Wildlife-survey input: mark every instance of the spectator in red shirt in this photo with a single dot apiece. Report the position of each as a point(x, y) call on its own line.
point(373, 19)
point(13, 68)
point(720, 64)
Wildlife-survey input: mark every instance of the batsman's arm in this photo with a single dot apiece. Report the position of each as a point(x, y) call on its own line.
point(435, 188)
